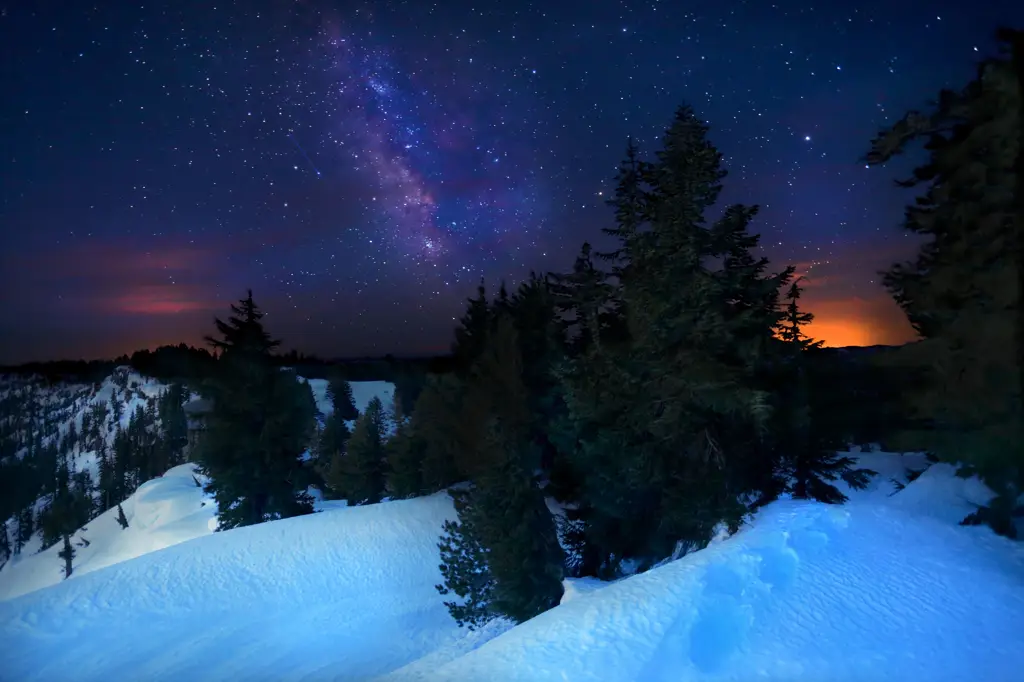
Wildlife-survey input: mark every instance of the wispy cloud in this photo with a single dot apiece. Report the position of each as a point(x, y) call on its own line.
point(119, 278)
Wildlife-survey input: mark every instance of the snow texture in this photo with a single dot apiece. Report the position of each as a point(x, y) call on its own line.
point(161, 513)
point(886, 587)
point(808, 592)
point(344, 594)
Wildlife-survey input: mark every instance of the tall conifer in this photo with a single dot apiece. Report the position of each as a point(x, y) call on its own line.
point(359, 474)
point(963, 291)
point(258, 429)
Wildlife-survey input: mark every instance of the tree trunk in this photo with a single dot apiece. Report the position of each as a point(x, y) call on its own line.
point(68, 555)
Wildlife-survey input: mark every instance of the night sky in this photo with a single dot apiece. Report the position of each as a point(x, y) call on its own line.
point(362, 166)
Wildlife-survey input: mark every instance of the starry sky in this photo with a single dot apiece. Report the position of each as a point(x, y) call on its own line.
point(361, 166)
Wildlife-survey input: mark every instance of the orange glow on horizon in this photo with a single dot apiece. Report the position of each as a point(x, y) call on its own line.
point(858, 322)
point(838, 333)
point(161, 300)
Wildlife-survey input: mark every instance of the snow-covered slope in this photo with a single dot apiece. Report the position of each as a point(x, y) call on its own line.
point(344, 594)
point(810, 592)
point(887, 587)
point(65, 405)
point(161, 513)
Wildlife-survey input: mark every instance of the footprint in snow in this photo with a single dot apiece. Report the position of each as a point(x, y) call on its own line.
point(778, 566)
point(821, 531)
point(734, 592)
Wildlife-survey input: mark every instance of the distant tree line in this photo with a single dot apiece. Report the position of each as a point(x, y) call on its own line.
point(187, 363)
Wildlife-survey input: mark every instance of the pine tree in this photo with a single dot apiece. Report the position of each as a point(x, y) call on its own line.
point(173, 423)
point(502, 554)
point(404, 453)
point(613, 513)
point(152, 458)
point(333, 439)
point(336, 432)
point(471, 334)
point(68, 509)
point(258, 428)
point(542, 347)
point(332, 470)
point(99, 418)
point(122, 465)
point(25, 528)
point(808, 447)
point(668, 425)
point(632, 203)
point(67, 555)
point(523, 556)
point(464, 565)
point(122, 520)
point(361, 474)
point(116, 408)
point(339, 392)
point(791, 327)
point(53, 517)
point(749, 315)
point(585, 295)
point(963, 291)
point(501, 558)
point(5, 544)
point(437, 421)
point(306, 404)
point(70, 438)
point(107, 492)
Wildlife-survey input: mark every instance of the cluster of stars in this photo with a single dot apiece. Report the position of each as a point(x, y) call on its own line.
point(386, 157)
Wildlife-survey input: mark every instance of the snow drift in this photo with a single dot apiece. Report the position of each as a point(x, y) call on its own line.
point(161, 513)
point(809, 592)
point(343, 594)
point(887, 587)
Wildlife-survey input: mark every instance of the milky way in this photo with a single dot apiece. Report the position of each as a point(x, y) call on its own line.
point(362, 166)
point(442, 186)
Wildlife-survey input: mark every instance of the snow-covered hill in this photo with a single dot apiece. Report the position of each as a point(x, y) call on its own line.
point(64, 406)
point(308, 598)
point(160, 513)
point(808, 593)
point(887, 587)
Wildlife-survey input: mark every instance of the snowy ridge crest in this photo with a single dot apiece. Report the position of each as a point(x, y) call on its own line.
point(886, 587)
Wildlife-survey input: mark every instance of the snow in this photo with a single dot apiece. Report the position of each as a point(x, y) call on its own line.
point(346, 594)
point(578, 587)
point(808, 592)
point(161, 513)
point(962, 495)
point(886, 587)
point(362, 393)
